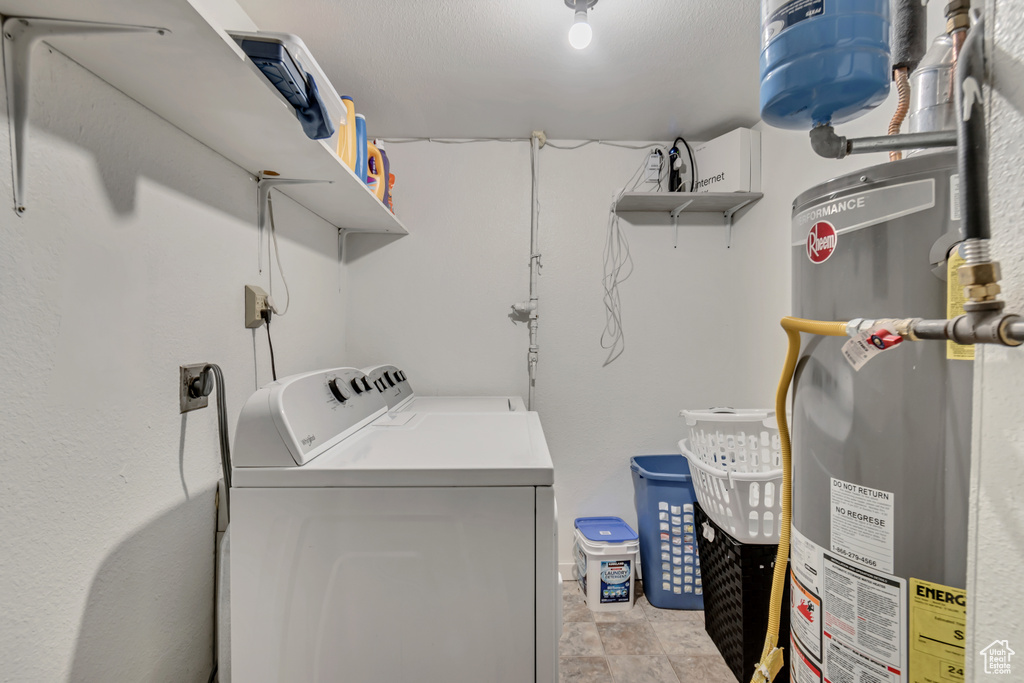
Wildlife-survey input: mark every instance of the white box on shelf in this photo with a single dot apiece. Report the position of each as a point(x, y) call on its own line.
point(730, 162)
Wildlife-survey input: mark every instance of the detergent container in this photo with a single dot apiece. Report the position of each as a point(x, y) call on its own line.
point(386, 177)
point(606, 549)
point(823, 61)
point(347, 140)
point(361, 157)
point(880, 453)
point(374, 177)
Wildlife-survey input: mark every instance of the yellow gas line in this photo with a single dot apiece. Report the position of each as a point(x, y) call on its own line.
point(771, 656)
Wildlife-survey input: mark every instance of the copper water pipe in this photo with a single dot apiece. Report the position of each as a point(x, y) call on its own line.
point(958, 20)
point(902, 107)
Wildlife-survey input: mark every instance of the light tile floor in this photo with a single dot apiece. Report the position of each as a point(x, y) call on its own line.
point(643, 645)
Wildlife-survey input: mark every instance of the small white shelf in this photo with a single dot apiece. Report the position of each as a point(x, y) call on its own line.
point(727, 203)
point(198, 79)
point(676, 203)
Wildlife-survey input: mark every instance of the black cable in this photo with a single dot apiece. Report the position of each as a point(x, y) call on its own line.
point(265, 313)
point(693, 163)
point(213, 674)
point(661, 166)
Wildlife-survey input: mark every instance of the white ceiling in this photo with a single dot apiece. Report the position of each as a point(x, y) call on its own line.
point(501, 68)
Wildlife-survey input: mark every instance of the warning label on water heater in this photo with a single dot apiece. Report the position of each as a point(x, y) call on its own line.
point(805, 616)
point(955, 301)
point(847, 621)
point(804, 670)
point(862, 524)
point(865, 638)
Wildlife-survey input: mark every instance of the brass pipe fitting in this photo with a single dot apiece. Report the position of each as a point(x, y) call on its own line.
point(957, 21)
point(958, 15)
point(980, 281)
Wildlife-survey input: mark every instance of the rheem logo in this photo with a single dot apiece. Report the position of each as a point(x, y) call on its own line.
point(821, 241)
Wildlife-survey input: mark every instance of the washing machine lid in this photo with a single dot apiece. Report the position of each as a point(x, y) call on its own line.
point(397, 391)
point(461, 404)
point(424, 449)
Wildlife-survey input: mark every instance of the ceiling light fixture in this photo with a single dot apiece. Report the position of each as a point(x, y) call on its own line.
point(580, 33)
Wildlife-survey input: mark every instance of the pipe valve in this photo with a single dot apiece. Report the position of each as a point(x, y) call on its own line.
point(884, 339)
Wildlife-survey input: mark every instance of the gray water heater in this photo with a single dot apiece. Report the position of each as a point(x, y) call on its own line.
point(880, 454)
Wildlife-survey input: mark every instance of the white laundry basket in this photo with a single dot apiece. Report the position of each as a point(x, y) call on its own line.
point(736, 464)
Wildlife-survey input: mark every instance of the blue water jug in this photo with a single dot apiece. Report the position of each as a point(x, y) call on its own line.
point(823, 61)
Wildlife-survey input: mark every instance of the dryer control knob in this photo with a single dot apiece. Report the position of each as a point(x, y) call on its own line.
point(366, 383)
point(335, 386)
point(387, 378)
point(357, 385)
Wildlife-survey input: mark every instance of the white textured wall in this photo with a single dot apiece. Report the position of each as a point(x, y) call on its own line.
point(701, 320)
point(130, 261)
point(436, 302)
point(996, 556)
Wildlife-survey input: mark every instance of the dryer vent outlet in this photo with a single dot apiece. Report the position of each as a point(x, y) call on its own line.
point(186, 374)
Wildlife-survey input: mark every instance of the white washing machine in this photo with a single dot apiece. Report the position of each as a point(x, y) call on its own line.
point(400, 397)
point(369, 547)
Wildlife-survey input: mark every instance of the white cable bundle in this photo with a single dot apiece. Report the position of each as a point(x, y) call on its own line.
point(618, 266)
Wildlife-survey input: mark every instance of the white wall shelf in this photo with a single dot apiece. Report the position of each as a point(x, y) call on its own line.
point(696, 202)
point(676, 203)
point(197, 78)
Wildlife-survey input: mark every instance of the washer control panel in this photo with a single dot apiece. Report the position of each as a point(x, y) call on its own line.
point(390, 382)
point(295, 419)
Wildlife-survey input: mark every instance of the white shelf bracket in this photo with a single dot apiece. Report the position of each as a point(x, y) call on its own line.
point(728, 221)
point(675, 220)
point(263, 187)
point(21, 34)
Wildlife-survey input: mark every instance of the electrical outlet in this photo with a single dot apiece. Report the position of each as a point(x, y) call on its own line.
point(255, 303)
point(186, 401)
point(652, 170)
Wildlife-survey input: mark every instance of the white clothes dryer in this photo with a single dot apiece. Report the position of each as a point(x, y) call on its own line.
point(370, 547)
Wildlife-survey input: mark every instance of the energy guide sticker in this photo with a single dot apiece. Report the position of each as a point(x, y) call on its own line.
point(938, 627)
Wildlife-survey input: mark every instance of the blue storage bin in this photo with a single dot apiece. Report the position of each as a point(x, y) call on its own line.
point(664, 497)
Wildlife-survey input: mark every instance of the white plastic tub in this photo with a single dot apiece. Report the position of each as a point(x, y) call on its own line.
point(606, 570)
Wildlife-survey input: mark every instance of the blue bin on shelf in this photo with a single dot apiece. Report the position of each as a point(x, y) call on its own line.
point(664, 497)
